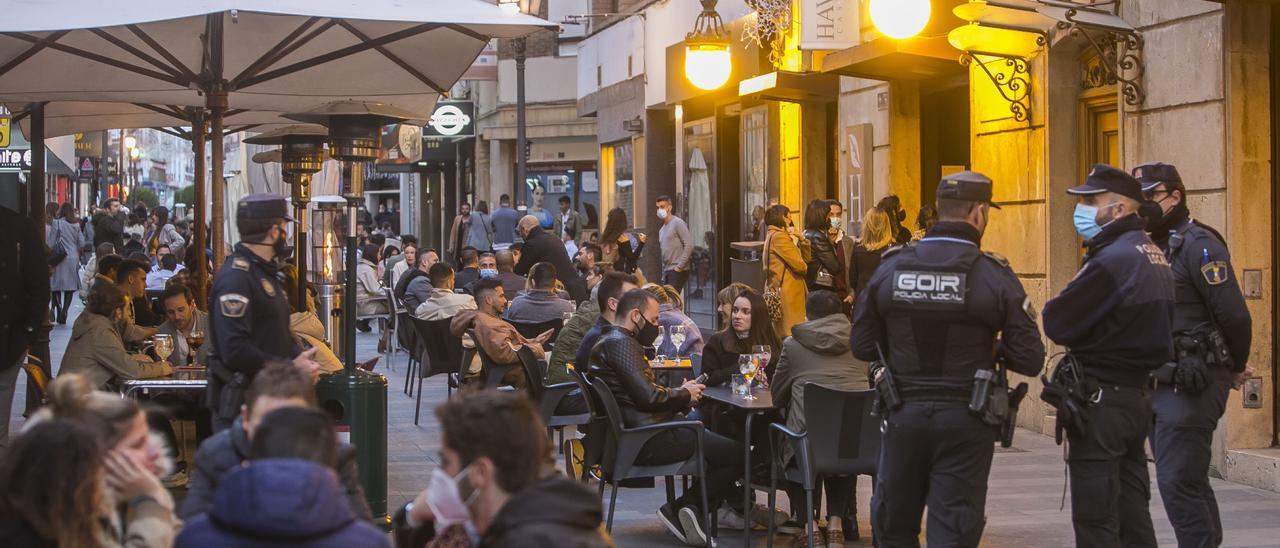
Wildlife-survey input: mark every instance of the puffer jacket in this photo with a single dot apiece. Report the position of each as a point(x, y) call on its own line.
point(553, 513)
point(618, 360)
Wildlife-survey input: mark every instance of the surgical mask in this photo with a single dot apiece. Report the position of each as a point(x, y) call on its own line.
point(522, 208)
point(647, 334)
point(662, 213)
point(445, 500)
point(1086, 220)
point(835, 223)
point(488, 273)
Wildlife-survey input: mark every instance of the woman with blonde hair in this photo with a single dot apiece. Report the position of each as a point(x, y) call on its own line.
point(877, 236)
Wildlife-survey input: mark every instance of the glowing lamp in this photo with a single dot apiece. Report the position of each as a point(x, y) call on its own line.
point(900, 18)
point(130, 142)
point(510, 7)
point(706, 55)
point(978, 39)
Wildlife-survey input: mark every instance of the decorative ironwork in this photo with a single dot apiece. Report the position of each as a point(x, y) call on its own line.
point(771, 23)
point(1012, 81)
point(1119, 58)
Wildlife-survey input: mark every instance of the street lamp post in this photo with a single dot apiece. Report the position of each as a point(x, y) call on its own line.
point(707, 63)
point(521, 139)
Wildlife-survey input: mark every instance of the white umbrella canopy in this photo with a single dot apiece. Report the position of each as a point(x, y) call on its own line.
point(269, 55)
point(69, 117)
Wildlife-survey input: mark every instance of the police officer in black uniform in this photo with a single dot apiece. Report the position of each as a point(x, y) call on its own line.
point(1114, 317)
point(1212, 332)
point(248, 307)
point(940, 311)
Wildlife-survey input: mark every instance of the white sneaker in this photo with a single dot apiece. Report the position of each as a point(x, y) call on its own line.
point(691, 522)
point(726, 518)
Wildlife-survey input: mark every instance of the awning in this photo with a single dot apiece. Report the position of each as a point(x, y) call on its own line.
point(890, 59)
point(791, 86)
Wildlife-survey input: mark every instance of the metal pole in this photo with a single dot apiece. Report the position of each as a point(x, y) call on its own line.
point(199, 205)
point(219, 189)
point(300, 243)
point(35, 205)
point(521, 140)
point(355, 172)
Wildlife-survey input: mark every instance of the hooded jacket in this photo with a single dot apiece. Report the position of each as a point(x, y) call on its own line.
point(817, 351)
point(553, 513)
point(282, 502)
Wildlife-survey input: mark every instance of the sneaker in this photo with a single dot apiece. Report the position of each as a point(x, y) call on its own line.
point(791, 527)
point(668, 516)
point(176, 480)
point(760, 516)
point(691, 521)
point(727, 518)
point(573, 455)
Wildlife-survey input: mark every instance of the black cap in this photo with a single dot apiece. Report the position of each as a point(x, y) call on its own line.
point(1104, 178)
point(263, 206)
point(969, 186)
point(1153, 173)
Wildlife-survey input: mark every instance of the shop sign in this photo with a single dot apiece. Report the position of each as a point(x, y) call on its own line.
point(87, 167)
point(828, 24)
point(401, 144)
point(5, 123)
point(89, 144)
point(451, 119)
point(15, 159)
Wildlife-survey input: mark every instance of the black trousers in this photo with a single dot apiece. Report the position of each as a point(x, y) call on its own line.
point(675, 279)
point(934, 454)
point(723, 465)
point(841, 494)
point(1110, 488)
point(1181, 441)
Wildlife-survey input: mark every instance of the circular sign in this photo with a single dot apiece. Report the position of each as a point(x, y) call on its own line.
point(449, 120)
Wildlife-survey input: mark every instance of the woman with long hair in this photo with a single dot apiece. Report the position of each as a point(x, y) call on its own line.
point(877, 236)
point(749, 325)
point(786, 265)
point(826, 270)
point(64, 235)
point(618, 246)
point(51, 486)
point(162, 232)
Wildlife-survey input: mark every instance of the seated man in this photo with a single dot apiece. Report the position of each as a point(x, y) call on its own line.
point(469, 258)
point(488, 263)
point(608, 293)
point(287, 495)
point(570, 336)
point(277, 386)
point(494, 445)
point(512, 283)
point(618, 361)
point(414, 286)
point(497, 338)
point(140, 320)
point(369, 296)
point(95, 349)
point(182, 319)
point(540, 303)
point(442, 302)
point(159, 276)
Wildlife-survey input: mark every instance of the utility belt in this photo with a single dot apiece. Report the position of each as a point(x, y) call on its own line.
point(1069, 390)
point(1196, 354)
point(226, 390)
point(989, 398)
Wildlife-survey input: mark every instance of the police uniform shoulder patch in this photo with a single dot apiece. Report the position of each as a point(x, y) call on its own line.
point(233, 305)
point(1216, 272)
point(1030, 309)
point(269, 287)
point(998, 258)
point(240, 264)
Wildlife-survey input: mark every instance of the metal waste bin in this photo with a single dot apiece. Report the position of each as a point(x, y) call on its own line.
point(358, 403)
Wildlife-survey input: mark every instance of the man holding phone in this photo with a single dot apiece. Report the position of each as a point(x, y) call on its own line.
point(498, 339)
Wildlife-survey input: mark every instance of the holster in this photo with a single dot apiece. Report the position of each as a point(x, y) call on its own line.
point(1072, 393)
point(887, 396)
point(226, 390)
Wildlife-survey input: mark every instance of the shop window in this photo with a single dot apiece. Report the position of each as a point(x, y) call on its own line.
point(699, 212)
point(755, 169)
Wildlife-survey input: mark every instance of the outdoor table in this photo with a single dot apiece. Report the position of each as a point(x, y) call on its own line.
point(762, 403)
point(130, 388)
point(667, 371)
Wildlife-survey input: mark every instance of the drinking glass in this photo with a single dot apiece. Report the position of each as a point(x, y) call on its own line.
point(739, 386)
point(164, 346)
point(762, 350)
point(676, 332)
point(747, 367)
point(662, 334)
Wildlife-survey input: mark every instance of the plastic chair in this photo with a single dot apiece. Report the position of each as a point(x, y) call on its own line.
point(442, 354)
point(407, 339)
point(397, 308)
point(842, 438)
point(529, 330)
point(623, 445)
point(491, 374)
point(548, 397)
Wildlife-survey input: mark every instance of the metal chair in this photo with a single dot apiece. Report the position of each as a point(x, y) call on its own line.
point(393, 342)
point(623, 445)
point(548, 397)
point(841, 438)
point(384, 319)
point(441, 351)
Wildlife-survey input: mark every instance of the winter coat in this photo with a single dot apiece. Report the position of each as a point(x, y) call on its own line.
point(307, 327)
point(568, 340)
point(542, 246)
point(817, 351)
point(786, 266)
point(109, 228)
point(63, 234)
point(24, 285)
point(281, 502)
point(553, 513)
point(822, 257)
point(96, 351)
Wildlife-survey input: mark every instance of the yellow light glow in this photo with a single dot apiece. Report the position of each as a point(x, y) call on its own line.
point(707, 66)
point(130, 142)
point(977, 38)
point(133, 153)
point(900, 18)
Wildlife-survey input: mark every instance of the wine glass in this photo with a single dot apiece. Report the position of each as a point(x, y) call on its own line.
point(676, 332)
point(163, 346)
point(747, 366)
point(662, 334)
point(195, 339)
point(764, 353)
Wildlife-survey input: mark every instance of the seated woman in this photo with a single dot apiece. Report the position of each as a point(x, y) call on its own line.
point(671, 314)
point(95, 348)
point(749, 326)
point(305, 324)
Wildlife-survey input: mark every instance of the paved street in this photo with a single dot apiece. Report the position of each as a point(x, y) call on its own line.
point(1022, 510)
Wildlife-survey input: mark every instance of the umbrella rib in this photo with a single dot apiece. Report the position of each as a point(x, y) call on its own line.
point(281, 49)
point(338, 54)
point(177, 64)
point(167, 110)
point(394, 58)
point(34, 49)
point(170, 131)
point(469, 32)
point(101, 59)
point(135, 51)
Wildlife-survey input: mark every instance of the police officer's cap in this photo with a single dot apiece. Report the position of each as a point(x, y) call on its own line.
point(1104, 178)
point(969, 186)
point(263, 206)
point(1154, 173)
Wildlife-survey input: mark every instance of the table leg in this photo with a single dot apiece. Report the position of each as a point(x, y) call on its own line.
point(746, 485)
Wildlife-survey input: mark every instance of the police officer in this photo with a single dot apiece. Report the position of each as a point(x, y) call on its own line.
point(248, 307)
point(1211, 322)
point(940, 311)
point(1114, 317)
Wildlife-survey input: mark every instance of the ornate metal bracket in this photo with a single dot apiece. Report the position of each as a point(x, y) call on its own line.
point(1119, 57)
point(1013, 83)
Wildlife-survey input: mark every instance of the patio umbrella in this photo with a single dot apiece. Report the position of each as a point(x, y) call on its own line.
point(249, 55)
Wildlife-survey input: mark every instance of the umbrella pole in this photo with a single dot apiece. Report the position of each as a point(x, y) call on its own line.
point(199, 206)
point(35, 209)
point(219, 188)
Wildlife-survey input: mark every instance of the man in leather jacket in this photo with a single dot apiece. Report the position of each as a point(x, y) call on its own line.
point(618, 361)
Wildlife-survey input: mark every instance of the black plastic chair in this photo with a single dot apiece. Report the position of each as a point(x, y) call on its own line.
point(623, 445)
point(841, 438)
point(441, 354)
point(548, 397)
point(529, 330)
point(491, 374)
point(407, 338)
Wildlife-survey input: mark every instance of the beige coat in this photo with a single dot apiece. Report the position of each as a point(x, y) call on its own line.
point(786, 264)
point(307, 326)
point(96, 351)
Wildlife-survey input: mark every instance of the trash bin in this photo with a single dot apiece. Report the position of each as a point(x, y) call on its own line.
point(358, 403)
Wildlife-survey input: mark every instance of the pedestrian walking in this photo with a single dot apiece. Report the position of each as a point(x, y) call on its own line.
point(1115, 318)
point(619, 247)
point(503, 223)
point(1212, 334)
point(786, 259)
point(675, 243)
point(939, 314)
point(108, 224)
point(825, 269)
point(64, 241)
point(877, 236)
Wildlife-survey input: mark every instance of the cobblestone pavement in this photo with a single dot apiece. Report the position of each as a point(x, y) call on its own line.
point(1022, 505)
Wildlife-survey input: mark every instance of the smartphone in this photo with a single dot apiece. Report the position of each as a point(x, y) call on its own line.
point(702, 379)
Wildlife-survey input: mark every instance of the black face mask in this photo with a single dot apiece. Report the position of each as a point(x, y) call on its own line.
point(648, 333)
point(902, 215)
point(282, 249)
point(1151, 212)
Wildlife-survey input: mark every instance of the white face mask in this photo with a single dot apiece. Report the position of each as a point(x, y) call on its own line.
point(445, 501)
point(662, 213)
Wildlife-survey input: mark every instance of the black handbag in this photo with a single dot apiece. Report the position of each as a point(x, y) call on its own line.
point(57, 256)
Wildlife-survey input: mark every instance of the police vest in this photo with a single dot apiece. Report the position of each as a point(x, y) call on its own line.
point(931, 316)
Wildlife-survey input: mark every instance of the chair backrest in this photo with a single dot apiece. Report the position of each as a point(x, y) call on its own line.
point(397, 305)
point(530, 330)
point(532, 373)
point(443, 350)
point(407, 334)
point(593, 404)
point(844, 436)
point(609, 404)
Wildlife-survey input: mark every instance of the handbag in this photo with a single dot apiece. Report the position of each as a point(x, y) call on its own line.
point(772, 295)
point(58, 253)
